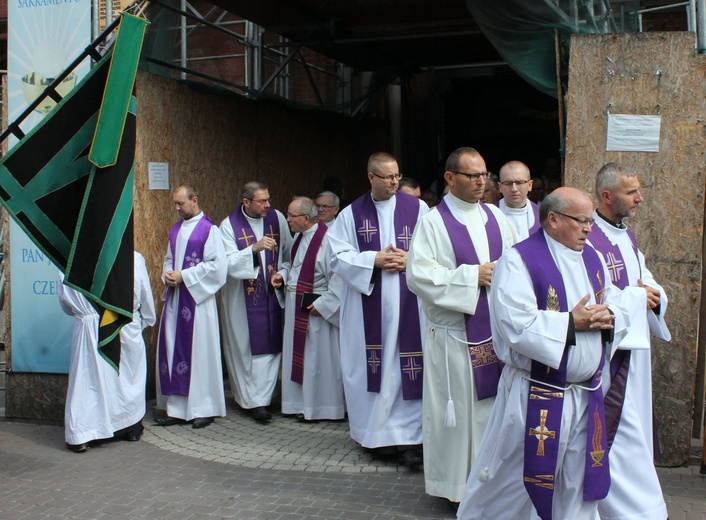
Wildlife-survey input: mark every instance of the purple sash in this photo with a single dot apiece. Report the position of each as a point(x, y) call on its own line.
point(409, 336)
point(620, 363)
point(535, 210)
point(263, 310)
point(545, 402)
point(305, 284)
point(179, 381)
point(486, 365)
point(612, 255)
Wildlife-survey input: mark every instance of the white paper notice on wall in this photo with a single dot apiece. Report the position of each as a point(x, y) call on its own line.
point(631, 133)
point(158, 175)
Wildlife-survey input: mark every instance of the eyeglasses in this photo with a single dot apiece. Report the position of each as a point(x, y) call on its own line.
point(581, 220)
point(325, 206)
point(473, 176)
point(388, 178)
point(291, 215)
point(510, 183)
point(259, 201)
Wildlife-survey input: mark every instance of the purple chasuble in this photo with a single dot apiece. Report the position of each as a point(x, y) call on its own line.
point(263, 310)
point(305, 284)
point(620, 363)
point(486, 365)
point(545, 401)
point(178, 382)
point(409, 336)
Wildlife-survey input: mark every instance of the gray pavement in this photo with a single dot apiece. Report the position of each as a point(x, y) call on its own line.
point(235, 468)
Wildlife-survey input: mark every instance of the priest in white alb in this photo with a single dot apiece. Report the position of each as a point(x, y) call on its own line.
point(450, 268)
point(189, 370)
point(257, 241)
point(635, 491)
point(515, 183)
point(381, 321)
point(544, 453)
point(312, 386)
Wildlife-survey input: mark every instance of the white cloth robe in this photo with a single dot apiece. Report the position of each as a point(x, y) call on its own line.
point(635, 491)
point(252, 378)
point(206, 396)
point(522, 219)
point(449, 291)
point(100, 401)
point(384, 418)
point(521, 332)
point(320, 396)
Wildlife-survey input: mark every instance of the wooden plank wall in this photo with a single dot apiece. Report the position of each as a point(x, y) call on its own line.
point(217, 143)
point(652, 74)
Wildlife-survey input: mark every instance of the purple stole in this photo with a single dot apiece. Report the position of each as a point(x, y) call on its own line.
point(620, 363)
point(486, 365)
point(545, 402)
point(305, 284)
point(409, 336)
point(263, 310)
point(535, 210)
point(178, 382)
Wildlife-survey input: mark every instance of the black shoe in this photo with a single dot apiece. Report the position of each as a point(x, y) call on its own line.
point(168, 421)
point(77, 448)
point(300, 417)
point(703, 469)
point(411, 458)
point(202, 422)
point(134, 434)
point(260, 414)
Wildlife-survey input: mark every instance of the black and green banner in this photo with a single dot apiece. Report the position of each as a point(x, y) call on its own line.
point(79, 214)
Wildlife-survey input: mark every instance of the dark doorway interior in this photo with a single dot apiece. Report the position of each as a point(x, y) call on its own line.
point(503, 117)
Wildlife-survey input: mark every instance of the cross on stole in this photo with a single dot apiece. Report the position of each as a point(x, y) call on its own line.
point(542, 432)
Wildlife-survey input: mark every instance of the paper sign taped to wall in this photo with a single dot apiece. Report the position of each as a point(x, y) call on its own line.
point(631, 133)
point(158, 175)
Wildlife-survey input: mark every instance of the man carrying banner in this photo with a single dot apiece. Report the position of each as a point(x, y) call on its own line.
point(450, 268)
point(544, 451)
point(101, 402)
point(257, 241)
point(189, 370)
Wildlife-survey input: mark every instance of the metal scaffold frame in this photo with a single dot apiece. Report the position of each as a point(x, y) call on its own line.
point(261, 53)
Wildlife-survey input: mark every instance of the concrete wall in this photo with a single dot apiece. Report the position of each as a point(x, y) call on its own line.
point(652, 74)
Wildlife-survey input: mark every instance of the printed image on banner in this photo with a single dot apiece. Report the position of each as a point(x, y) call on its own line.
point(44, 37)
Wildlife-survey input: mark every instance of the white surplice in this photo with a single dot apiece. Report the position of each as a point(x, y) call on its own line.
point(384, 418)
point(100, 401)
point(522, 219)
point(252, 378)
point(320, 396)
point(206, 396)
point(521, 333)
point(635, 492)
point(449, 291)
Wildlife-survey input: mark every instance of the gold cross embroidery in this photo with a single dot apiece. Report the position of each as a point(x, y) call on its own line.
point(246, 237)
point(542, 432)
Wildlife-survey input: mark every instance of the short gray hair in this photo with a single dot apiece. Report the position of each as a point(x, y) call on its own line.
point(251, 187)
point(307, 207)
point(608, 177)
point(552, 202)
point(334, 197)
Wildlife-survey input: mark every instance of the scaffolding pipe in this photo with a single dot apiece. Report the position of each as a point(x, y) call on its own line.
point(701, 26)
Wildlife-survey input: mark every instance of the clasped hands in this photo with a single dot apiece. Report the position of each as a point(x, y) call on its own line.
point(173, 278)
point(591, 317)
point(391, 259)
